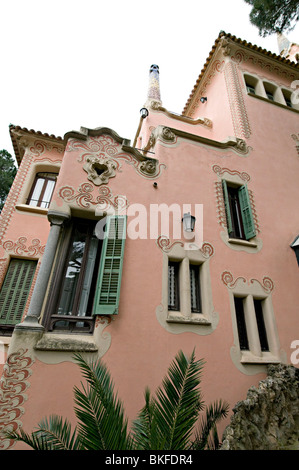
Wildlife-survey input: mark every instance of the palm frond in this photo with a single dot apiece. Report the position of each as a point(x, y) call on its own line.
point(53, 433)
point(102, 422)
point(206, 436)
point(144, 431)
point(179, 401)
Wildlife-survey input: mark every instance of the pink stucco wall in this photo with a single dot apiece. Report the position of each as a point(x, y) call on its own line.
point(141, 349)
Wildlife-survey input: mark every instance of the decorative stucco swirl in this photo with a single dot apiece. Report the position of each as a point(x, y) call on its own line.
point(13, 385)
point(104, 152)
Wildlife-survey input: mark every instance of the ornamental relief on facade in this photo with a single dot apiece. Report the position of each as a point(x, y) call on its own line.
point(85, 198)
point(13, 386)
point(102, 159)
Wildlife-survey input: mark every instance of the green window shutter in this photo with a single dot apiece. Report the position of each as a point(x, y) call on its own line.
point(110, 271)
point(247, 217)
point(15, 290)
point(227, 208)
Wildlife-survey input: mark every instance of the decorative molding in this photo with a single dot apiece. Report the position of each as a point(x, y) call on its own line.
point(241, 57)
point(166, 245)
point(232, 143)
point(84, 197)
point(215, 66)
point(236, 101)
point(105, 148)
point(296, 139)
point(220, 171)
point(19, 247)
point(104, 164)
point(13, 384)
point(205, 122)
point(227, 278)
point(165, 134)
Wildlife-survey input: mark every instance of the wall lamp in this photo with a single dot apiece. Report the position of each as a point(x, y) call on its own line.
point(144, 113)
point(203, 99)
point(188, 222)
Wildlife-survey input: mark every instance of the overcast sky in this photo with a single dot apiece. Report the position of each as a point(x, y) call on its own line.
point(71, 63)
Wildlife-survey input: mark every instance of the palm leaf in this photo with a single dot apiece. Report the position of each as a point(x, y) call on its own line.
point(144, 429)
point(51, 434)
point(179, 402)
point(102, 422)
point(206, 436)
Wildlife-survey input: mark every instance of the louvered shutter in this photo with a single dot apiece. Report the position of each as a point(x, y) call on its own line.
point(227, 208)
point(247, 217)
point(15, 290)
point(109, 278)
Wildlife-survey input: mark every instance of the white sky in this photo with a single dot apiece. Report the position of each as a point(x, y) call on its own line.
point(71, 63)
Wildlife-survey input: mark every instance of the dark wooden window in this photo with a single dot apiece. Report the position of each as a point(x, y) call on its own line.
point(258, 306)
point(42, 190)
point(70, 304)
point(241, 324)
point(173, 286)
point(236, 214)
point(14, 292)
point(239, 216)
point(195, 288)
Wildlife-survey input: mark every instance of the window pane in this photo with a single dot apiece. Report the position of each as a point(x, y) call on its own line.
point(173, 286)
point(195, 289)
point(261, 324)
point(72, 273)
point(49, 187)
point(241, 325)
point(34, 200)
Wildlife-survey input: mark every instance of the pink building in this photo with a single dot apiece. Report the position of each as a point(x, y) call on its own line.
point(228, 289)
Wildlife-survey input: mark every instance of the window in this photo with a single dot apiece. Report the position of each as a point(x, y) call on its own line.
point(88, 275)
point(255, 324)
point(287, 97)
point(173, 286)
point(195, 288)
point(250, 83)
point(241, 325)
point(15, 291)
point(258, 306)
point(240, 223)
point(42, 190)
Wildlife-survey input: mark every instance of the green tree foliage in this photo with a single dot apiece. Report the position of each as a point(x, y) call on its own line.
point(170, 420)
point(7, 173)
point(274, 16)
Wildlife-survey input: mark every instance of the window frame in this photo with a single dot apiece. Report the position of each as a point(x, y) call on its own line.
point(40, 200)
point(51, 315)
point(184, 320)
point(245, 359)
point(239, 215)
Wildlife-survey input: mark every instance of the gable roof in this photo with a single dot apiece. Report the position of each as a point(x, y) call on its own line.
point(240, 42)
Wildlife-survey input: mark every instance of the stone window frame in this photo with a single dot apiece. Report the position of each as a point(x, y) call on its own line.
point(184, 320)
point(237, 179)
point(249, 291)
point(36, 168)
point(261, 84)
